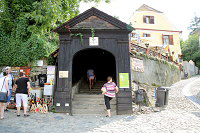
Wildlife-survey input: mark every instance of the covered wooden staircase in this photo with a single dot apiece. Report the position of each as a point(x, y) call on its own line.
point(88, 102)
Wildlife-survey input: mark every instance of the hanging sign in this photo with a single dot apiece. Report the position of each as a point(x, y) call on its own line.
point(50, 69)
point(63, 74)
point(123, 80)
point(58, 104)
point(66, 104)
point(48, 90)
point(40, 63)
point(94, 41)
point(137, 65)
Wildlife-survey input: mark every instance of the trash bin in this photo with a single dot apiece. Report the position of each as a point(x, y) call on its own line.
point(162, 94)
point(139, 96)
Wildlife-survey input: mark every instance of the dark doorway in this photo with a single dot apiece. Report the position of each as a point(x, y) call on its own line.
point(101, 61)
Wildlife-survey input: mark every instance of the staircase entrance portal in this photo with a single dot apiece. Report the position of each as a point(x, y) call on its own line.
point(92, 40)
point(101, 61)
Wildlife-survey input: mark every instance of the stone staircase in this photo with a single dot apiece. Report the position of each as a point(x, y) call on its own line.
point(96, 90)
point(91, 104)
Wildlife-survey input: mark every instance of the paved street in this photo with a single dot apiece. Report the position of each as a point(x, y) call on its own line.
point(180, 116)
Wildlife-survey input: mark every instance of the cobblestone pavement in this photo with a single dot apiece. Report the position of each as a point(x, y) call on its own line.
point(180, 116)
point(195, 92)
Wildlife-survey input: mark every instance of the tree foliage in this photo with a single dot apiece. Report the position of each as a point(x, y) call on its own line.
point(191, 49)
point(25, 28)
point(195, 24)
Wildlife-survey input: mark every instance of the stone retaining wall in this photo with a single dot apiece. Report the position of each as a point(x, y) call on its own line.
point(191, 69)
point(156, 72)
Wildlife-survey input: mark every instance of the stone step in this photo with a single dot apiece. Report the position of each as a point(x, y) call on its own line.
point(99, 85)
point(78, 102)
point(87, 89)
point(92, 112)
point(91, 98)
point(92, 106)
point(83, 99)
point(88, 96)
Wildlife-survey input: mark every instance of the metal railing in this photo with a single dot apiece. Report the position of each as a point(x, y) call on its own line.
point(143, 50)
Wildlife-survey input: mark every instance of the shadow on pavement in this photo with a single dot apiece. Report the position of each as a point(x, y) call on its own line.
point(196, 114)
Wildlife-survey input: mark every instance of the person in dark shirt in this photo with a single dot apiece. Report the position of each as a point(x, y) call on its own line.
point(22, 91)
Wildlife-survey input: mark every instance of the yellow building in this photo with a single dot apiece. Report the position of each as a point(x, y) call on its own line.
point(153, 28)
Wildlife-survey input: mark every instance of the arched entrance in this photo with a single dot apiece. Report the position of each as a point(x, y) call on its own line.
point(101, 61)
point(108, 54)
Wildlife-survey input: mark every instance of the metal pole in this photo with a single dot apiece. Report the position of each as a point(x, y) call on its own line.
point(199, 41)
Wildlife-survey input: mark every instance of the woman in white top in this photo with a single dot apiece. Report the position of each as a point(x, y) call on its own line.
point(3, 88)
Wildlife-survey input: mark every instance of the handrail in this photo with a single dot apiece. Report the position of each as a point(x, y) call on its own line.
point(151, 53)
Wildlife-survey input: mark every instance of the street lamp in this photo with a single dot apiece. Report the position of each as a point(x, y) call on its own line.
point(180, 60)
point(167, 55)
point(147, 45)
point(156, 48)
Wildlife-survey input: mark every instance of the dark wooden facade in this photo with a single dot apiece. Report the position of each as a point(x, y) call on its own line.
point(113, 38)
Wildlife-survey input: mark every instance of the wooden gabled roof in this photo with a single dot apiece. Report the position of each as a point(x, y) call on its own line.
point(89, 14)
point(145, 7)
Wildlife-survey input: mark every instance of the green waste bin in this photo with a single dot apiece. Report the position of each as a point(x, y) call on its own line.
point(162, 95)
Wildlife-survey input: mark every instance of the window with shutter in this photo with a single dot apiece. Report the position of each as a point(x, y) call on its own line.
point(146, 35)
point(134, 35)
point(171, 42)
point(162, 39)
point(165, 40)
point(148, 19)
point(144, 19)
point(151, 19)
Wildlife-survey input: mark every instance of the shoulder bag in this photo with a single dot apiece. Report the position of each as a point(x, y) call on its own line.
point(3, 95)
point(104, 90)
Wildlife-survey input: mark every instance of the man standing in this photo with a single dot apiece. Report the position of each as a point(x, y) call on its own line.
point(22, 91)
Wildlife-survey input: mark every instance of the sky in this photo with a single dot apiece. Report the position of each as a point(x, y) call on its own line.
point(179, 12)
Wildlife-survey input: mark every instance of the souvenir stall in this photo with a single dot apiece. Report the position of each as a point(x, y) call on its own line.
point(43, 103)
point(42, 82)
point(15, 73)
point(41, 79)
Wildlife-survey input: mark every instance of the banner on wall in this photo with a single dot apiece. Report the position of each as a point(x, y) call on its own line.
point(137, 65)
point(63, 74)
point(123, 80)
point(51, 69)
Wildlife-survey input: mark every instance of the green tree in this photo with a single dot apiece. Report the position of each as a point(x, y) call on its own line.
point(25, 28)
point(195, 24)
point(191, 49)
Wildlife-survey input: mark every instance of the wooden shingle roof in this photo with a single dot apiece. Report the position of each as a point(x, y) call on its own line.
point(93, 12)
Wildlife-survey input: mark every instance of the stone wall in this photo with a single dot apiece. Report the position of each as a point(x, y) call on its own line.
point(75, 88)
point(190, 68)
point(157, 72)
